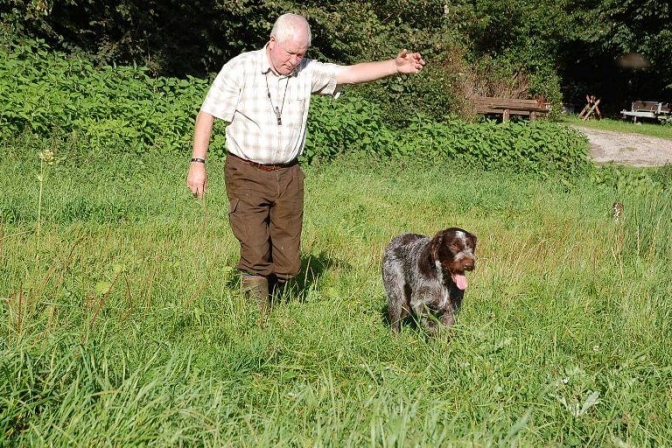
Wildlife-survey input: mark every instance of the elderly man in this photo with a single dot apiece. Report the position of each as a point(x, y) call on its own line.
point(264, 96)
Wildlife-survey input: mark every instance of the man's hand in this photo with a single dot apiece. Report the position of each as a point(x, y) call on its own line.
point(409, 62)
point(197, 179)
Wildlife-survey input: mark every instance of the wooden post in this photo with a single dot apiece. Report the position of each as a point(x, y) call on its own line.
point(590, 108)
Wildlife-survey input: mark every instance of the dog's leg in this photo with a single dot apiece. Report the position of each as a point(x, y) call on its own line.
point(395, 308)
point(393, 279)
point(429, 324)
point(452, 309)
point(420, 306)
point(448, 318)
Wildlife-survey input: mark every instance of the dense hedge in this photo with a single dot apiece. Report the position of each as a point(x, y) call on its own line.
point(354, 124)
point(124, 109)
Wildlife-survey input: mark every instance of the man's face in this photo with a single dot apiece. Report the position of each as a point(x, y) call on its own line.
point(285, 56)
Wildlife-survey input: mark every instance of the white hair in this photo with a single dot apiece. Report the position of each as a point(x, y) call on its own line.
point(289, 25)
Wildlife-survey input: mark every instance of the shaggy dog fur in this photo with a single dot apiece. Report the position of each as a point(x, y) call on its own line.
point(425, 277)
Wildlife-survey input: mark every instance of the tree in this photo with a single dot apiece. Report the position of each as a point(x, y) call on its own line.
point(619, 50)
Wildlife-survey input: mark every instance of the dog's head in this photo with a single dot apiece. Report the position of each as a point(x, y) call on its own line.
point(454, 250)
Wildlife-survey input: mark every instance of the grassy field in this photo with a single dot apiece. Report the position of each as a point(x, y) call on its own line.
point(650, 128)
point(122, 325)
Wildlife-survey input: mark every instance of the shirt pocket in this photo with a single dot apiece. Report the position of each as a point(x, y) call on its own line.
point(294, 112)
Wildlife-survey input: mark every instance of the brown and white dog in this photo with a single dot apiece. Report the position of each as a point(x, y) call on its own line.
point(425, 276)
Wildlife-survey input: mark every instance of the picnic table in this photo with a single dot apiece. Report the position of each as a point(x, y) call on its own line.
point(649, 109)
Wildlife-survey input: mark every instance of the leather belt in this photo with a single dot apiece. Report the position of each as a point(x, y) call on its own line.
point(269, 167)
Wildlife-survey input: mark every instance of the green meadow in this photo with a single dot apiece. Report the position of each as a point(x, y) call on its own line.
point(650, 128)
point(121, 321)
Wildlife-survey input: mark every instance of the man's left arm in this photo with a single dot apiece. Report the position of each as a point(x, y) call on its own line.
point(405, 62)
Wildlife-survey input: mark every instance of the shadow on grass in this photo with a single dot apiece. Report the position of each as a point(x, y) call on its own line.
point(313, 269)
point(412, 323)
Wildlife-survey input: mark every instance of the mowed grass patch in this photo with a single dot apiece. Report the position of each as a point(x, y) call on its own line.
point(650, 128)
point(122, 322)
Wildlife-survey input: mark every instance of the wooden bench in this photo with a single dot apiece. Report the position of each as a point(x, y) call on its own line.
point(506, 107)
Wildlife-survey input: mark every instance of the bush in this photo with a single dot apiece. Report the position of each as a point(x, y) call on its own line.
point(352, 124)
point(106, 107)
point(536, 146)
point(123, 109)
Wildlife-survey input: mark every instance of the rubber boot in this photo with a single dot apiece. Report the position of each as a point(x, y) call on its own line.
point(255, 288)
point(275, 287)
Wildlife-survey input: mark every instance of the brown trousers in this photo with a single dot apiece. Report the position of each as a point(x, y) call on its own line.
point(266, 216)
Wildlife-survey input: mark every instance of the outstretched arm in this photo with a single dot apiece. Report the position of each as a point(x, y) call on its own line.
point(405, 62)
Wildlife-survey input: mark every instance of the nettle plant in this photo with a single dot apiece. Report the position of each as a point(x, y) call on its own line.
point(628, 181)
point(120, 108)
point(123, 109)
point(354, 124)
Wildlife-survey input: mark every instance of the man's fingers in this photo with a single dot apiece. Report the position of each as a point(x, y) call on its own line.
point(412, 62)
point(198, 191)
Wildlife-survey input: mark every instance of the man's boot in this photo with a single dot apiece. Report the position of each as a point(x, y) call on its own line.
point(274, 288)
point(255, 288)
point(281, 289)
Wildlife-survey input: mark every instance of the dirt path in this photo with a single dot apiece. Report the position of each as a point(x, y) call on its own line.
point(628, 149)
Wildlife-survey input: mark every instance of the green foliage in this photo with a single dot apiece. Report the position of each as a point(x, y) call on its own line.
point(627, 181)
point(168, 37)
point(106, 107)
point(432, 28)
point(354, 125)
point(349, 124)
point(438, 93)
point(123, 109)
point(537, 147)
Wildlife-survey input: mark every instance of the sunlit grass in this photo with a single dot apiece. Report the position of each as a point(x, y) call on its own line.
point(124, 326)
point(650, 128)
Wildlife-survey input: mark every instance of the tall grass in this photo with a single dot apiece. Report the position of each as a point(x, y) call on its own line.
point(124, 325)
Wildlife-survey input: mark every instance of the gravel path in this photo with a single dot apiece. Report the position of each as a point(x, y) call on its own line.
point(628, 149)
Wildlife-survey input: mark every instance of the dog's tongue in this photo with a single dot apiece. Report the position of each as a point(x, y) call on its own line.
point(460, 280)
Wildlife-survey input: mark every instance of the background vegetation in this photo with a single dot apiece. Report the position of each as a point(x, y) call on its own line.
point(123, 109)
point(558, 49)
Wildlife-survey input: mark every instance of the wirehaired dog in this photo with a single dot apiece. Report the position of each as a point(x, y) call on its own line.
point(425, 277)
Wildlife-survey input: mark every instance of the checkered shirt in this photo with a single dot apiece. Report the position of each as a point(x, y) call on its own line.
point(239, 95)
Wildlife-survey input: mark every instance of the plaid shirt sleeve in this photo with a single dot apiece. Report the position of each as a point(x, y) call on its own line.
point(225, 91)
point(324, 78)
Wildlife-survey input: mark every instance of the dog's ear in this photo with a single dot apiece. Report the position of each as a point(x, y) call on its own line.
point(435, 246)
